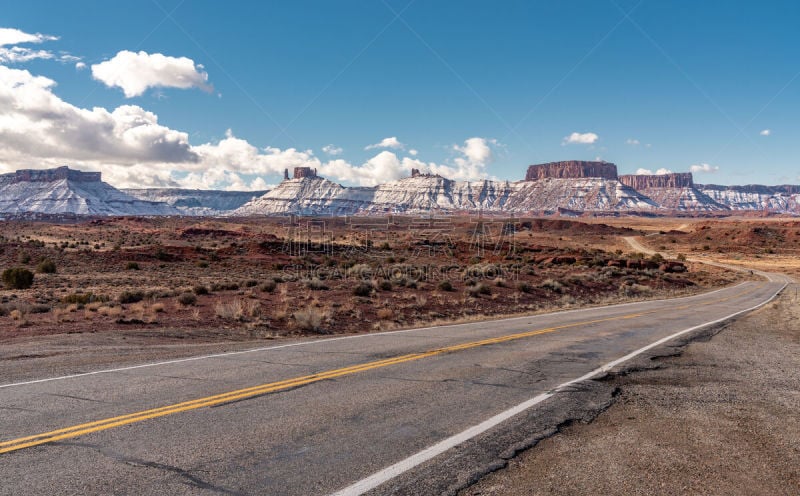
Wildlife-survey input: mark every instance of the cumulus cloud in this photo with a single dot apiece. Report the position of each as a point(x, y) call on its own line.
point(765, 132)
point(135, 73)
point(391, 142)
point(632, 142)
point(133, 149)
point(580, 139)
point(80, 66)
point(700, 168)
point(332, 149)
point(413, 152)
point(649, 172)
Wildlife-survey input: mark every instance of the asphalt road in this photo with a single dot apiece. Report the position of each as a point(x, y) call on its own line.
point(319, 416)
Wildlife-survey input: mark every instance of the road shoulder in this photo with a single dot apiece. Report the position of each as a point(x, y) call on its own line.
point(716, 417)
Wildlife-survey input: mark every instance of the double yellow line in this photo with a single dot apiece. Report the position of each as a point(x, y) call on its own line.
point(239, 394)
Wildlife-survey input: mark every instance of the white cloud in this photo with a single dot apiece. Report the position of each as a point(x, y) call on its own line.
point(413, 152)
point(391, 142)
point(332, 149)
point(703, 168)
point(649, 172)
point(135, 73)
point(132, 149)
point(765, 132)
point(580, 139)
point(632, 142)
point(80, 66)
point(10, 53)
point(11, 36)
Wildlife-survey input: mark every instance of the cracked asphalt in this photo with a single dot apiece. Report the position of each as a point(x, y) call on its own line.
point(327, 434)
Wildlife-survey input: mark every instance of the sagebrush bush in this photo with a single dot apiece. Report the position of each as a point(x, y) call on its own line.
point(479, 289)
point(17, 278)
point(130, 297)
point(200, 290)
point(268, 287)
point(446, 286)
point(46, 266)
point(363, 289)
point(309, 319)
point(187, 299)
point(315, 283)
point(132, 266)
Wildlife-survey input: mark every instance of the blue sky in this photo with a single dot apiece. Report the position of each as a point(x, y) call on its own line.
point(470, 89)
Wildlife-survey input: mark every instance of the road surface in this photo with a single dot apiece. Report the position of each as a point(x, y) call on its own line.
point(350, 414)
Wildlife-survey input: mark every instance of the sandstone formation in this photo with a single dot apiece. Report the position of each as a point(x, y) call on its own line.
point(571, 169)
point(647, 181)
point(301, 172)
point(49, 175)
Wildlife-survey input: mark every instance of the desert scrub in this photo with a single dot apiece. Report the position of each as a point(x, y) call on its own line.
point(17, 278)
point(46, 266)
point(268, 287)
point(315, 284)
point(552, 285)
point(238, 309)
point(130, 296)
point(200, 290)
point(309, 318)
point(187, 299)
point(524, 287)
point(363, 289)
point(479, 289)
point(446, 286)
point(132, 266)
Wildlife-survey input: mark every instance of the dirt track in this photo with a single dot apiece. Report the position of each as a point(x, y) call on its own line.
point(722, 418)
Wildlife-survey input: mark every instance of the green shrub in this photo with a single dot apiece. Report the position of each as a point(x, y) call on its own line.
point(132, 266)
point(268, 287)
point(17, 278)
point(385, 286)
point(46, 266)
point(24, 258)
point(200, 290)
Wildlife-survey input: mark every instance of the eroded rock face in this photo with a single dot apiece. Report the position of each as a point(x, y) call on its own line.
point(647, 181)
point(301, 172)
point(571, 169)
point(49, 175)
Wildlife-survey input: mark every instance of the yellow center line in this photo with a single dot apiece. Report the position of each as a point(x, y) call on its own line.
point(249, 392)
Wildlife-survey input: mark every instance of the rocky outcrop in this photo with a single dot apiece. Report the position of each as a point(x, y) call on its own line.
point(571, 169)
point(646, 181)
point(49, 175)
point(301, 172)
point(67, 191)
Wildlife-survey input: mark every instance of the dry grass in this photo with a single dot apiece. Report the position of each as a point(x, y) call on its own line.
point(238, 309)
point(310, 318)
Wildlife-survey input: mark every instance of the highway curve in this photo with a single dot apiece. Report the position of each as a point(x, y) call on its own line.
point(346, 414)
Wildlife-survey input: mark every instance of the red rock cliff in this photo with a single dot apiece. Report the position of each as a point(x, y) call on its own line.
point(571, 169)
point(49, 175)
point(646, 181)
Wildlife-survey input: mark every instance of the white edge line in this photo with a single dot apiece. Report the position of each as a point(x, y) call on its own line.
point(328, 340)
point(416, 459)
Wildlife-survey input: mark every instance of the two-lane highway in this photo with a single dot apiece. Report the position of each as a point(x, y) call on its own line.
point(324, 415)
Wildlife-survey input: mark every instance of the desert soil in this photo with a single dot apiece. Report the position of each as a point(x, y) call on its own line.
point(720, 418)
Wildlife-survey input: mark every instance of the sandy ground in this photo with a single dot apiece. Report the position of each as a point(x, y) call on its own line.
point(721, 418)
